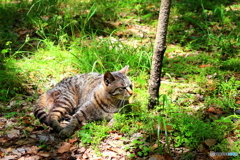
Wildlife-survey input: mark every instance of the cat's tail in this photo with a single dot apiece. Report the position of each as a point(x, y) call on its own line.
point(41, 108)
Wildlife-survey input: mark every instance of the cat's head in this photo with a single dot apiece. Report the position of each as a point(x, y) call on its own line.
point(117, 84)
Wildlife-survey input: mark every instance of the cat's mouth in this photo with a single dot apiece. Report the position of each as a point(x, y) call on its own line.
point(127, 95)
point(124, 97)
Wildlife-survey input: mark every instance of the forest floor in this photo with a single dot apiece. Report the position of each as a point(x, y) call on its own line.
point(22, 139)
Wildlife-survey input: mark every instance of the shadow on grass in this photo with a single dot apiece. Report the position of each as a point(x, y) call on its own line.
point(11, 84)
point(13, 21)
point(201, 63)
point(206, 25)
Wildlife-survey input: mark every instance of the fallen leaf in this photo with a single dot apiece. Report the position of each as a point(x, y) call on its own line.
point(220, 157)
point(157, 157)
point(26, 141)
point(230, 141)
point(211, 88)
point(211, 110)
point(44, 154)
point(32, 150)
point(72, 140)
point(16, 152)
point(2, 124)
point(117, 150)
point(26, 120)
point(210, 142)
point(205, 65)
point(87, 154)
point(8, 150)
point(21, 150)
point(108, 153)
point(210, 82)
point(30, 129)
point(10, 157)
point(65, 147)
point(237, 102)
point(154, 146)
point(168, 156)
point(168, 127)
point(219, 111)
point(73, 148)
point(3, 140)
point(1, 154)
point(13, 133)
point(35, 157)
point(117, 138)
point(202, 147)
point(82, 150)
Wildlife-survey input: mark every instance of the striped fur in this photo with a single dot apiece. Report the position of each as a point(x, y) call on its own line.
point(82, 98)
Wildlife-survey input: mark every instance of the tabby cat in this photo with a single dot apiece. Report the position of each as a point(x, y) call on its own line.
point(82, 98)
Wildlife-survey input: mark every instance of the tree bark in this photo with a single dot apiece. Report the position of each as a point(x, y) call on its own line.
point(159, 49)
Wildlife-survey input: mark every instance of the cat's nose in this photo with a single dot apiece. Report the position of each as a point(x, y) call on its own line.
point(129, 91)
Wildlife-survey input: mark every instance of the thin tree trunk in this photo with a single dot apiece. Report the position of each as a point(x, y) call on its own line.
point(159, 49)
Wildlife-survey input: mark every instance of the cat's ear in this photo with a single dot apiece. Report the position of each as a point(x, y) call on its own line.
point(108, 78)
point(124, 70)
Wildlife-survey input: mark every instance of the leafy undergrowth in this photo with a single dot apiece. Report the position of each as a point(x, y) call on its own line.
point(198, 114)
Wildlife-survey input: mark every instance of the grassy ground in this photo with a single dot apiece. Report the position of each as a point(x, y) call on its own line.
point(42, 42)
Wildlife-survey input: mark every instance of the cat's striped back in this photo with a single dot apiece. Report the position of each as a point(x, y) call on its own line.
point(91, 96)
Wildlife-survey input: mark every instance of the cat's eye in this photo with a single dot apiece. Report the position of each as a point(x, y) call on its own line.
point(122, 88)
point(130, 86)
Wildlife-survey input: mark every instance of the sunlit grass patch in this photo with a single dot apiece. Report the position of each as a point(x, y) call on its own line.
point(45, 68)
point(51, 63)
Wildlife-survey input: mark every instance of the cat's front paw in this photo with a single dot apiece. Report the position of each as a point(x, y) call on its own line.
point(58, 128)
point(65, 133)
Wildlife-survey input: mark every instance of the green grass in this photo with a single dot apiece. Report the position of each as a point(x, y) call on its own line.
point(42, 42)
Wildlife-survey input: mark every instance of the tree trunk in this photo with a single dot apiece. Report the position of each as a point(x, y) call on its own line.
point(159, 49)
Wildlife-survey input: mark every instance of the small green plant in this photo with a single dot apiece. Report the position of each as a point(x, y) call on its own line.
point(42, 145)
point(191, 130)
point(7, 49)
point(93, 133)
point(10, 114)
point(232, 64)
point(86, 134)
point(139, 148)
point(162, 123)
point(4, 94)
point(225, 94)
